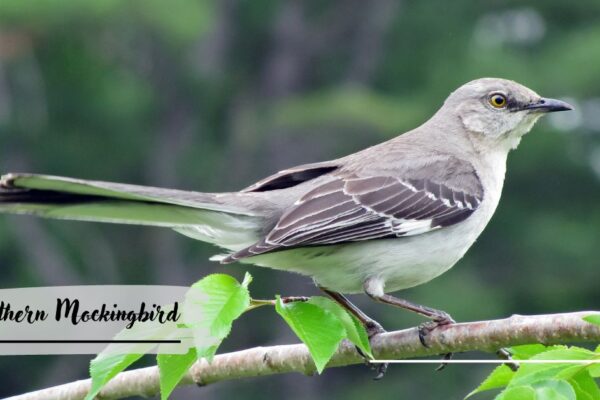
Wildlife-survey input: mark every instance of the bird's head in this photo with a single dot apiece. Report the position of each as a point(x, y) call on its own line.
point(499, 111)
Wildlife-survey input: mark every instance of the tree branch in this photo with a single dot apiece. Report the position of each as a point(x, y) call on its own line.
point(487, 336)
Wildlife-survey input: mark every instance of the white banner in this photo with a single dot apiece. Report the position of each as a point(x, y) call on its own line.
point(91, 319)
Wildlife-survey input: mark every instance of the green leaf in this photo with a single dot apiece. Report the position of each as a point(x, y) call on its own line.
point(594, 370)
point(355, 330)
point(105, 367)
point(543, 390)
point(532, 373)
point(554, 390)
point(573, 370)
point(593, 319)
point(500, 377)
point(526, 351)
point(210, 307)
point(118, 356)
point(585, 387)
point(172, 368)
point(517, 393)
point(318, 328)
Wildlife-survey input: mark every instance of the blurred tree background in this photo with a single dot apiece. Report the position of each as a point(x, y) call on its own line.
point(213, 95)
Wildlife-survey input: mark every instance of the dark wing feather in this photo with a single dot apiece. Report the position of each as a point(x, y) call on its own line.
point(351, 209)
point(292, 177)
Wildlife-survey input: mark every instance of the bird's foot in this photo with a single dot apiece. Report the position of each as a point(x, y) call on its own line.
point(426, 328)
point(373, 329)
point(381, 370)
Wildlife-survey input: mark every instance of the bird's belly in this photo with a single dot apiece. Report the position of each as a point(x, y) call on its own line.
point(399, 263)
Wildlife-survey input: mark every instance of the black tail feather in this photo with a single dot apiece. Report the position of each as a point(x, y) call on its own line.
point(34, 196)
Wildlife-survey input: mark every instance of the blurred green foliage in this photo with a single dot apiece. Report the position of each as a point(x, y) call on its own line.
point(214, 95)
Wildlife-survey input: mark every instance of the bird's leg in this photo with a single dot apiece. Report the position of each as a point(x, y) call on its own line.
point(371, 326)
point(438, 317)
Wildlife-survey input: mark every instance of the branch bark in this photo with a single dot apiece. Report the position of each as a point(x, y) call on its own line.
point(487, 336)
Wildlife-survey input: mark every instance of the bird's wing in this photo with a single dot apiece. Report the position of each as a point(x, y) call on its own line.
point(354, 208)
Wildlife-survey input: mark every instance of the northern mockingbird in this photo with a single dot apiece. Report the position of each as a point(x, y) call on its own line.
point(389, 217)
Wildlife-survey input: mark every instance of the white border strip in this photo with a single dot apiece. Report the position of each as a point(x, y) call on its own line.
point(441, 361)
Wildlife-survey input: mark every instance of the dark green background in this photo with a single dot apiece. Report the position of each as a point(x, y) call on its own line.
point(215, 95)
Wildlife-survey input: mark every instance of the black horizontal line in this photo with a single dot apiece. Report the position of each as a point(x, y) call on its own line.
point(90, 341)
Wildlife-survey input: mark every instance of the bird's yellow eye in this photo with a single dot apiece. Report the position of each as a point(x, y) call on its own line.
point(498, 100)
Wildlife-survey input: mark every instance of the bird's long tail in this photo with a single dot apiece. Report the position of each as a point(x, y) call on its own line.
point(227, 219)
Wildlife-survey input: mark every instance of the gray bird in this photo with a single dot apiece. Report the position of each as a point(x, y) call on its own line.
point(389, 217)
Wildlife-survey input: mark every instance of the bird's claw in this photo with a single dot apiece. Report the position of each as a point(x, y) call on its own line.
point(443, 364)
point(373, 329)
point(381, 370)
point(426, 328)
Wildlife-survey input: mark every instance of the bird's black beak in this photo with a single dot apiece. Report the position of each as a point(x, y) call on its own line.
point(548, 105)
